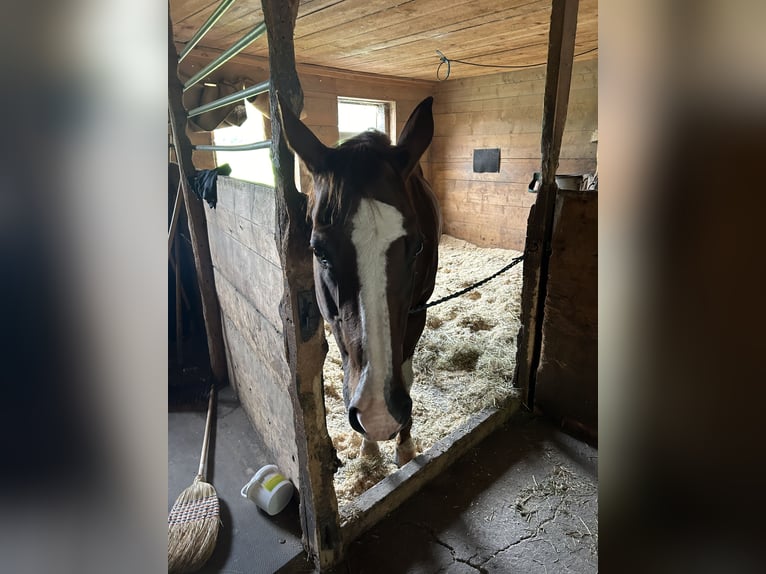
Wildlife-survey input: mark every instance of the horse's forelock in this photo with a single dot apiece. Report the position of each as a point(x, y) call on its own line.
point(371, 140)
point(349, 167)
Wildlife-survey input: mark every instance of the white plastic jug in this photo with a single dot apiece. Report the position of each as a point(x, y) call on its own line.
point(269, 490)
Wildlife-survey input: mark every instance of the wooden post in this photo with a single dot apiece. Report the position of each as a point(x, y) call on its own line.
point(303, 326)
point(195, 212)
point(177, 207)
point(179, 318)
point(540, 223)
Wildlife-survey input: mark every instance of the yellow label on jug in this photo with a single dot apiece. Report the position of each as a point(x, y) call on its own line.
point(273, 481)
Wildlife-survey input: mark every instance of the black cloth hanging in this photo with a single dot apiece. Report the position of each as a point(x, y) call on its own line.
point(204, 184)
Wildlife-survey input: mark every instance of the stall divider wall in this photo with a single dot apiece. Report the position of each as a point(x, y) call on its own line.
point(248, 277)
point(566, 387)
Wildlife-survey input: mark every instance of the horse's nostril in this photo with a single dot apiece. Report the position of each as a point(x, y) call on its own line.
point(400, 406)
point(359, 420)
point(353, 419)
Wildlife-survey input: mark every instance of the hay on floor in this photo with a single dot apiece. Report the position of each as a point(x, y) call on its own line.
point(463, 363)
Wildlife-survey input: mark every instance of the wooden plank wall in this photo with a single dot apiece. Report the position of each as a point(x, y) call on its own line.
point(503, 111)
point(498, 110)
point(249, 283)
point(321, 89)
point(321, 101)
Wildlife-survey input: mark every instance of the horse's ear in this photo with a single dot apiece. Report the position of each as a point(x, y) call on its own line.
point(416, 135)
point(301, 139)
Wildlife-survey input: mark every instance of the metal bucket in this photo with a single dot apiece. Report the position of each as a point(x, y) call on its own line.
point(567, 182)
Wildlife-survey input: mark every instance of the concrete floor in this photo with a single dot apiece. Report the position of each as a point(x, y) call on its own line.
point(249, 541)
point(525, 500)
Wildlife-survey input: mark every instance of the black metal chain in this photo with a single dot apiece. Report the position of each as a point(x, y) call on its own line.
point(420, 308)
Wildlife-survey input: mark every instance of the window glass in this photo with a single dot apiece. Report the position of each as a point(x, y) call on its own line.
point(252, 165)
point(357, 115)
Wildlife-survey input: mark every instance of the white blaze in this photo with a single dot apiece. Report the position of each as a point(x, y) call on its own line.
point(375, 226)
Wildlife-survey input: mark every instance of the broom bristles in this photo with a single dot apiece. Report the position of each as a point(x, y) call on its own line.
point(193, 527)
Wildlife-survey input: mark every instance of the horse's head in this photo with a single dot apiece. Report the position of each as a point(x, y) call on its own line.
point(370, 263)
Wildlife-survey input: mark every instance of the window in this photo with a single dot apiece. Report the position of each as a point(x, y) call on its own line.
point(252, 165)
point(357, 115)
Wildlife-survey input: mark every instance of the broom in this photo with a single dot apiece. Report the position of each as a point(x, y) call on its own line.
point(193, 521)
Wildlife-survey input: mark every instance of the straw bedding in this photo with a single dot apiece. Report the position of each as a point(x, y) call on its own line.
point(464, 362)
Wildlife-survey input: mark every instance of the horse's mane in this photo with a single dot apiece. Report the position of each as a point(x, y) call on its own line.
point(348, 169)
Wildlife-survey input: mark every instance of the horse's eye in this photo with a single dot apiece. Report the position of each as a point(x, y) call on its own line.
point(418, 248)
point(321, 257)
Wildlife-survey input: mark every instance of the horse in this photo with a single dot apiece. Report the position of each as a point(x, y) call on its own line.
point(375, 233)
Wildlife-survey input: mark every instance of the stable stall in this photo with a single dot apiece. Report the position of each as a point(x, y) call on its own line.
point(265, 334)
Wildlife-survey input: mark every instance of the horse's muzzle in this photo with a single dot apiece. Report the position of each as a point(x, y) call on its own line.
point(373, 424)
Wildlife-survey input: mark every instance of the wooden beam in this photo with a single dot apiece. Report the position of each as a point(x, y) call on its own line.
point(195, 212)
point(558, 78)
point(303, 326)
point(540, 223)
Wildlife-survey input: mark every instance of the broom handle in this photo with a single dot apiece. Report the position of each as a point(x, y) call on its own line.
point(206, 440)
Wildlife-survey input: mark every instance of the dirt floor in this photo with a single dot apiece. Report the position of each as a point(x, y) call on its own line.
point(464, 361)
